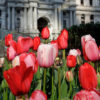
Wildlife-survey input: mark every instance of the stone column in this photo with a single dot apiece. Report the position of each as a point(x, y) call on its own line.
point(35, 18)
point(9, 17)
point(30, 19)
point(74, 13)
point(71, 18)
point(3, 19)
point(56, 20)
point(25, 19)
point(60, 19)
point(13, 18)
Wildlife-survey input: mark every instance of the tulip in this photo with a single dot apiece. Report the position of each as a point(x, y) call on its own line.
point(90, 48)
point(87, 76)
point(45, 33)
point(55, 44)
point(62, 42)
point(8, 39)
point(74, 52)
point(69, 76)
point(38, 95)
point(2, 61)
point(64, 32)
point(36, 43)
point(11, 50)
point(29, 59)
point(46, 55)
point(19, 79)
point(71, 61)
point(86, 95)
point(24, 44)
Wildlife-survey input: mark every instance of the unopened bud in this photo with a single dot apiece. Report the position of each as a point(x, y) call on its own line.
point(69, 76)
point(79, 60)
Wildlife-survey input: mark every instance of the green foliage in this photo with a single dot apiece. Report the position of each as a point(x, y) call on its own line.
point(75, 33)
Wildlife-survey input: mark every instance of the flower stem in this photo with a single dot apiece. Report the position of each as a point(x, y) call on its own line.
point(70, 90)
point(52, 83)
point(59, 84)
point(64, 54)
point(44, 81)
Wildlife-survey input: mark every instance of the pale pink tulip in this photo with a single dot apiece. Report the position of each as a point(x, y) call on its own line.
point(90, 48)
point(74, 52)
point(46, 55)
point(86, 95)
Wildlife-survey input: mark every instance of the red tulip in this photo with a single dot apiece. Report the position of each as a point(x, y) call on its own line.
point(90, 48)
point(62, 42)
point(29, 59)
point(11, 51)
point(46, 55)
point(69, 76)
point(74, 52)
point(24, 44)
point(55, 44)
point(36, 43)
point(87, 76)
point(71, 61)
point(8, 39)
point(64, 32)
point(86, 95)
point(38, 95)
point(45, 33)
point(19, 79)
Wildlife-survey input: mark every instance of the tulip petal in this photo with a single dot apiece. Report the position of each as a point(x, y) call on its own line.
point(92, 51)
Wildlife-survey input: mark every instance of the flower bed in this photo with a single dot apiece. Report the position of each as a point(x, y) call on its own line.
point(35, 70)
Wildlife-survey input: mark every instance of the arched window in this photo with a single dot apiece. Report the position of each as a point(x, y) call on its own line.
point(82, 2)
point(91, 2)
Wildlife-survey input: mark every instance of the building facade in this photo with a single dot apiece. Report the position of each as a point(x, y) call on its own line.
point(30, 16)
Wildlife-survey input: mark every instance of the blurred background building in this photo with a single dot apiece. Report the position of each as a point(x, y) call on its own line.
point(30, 16)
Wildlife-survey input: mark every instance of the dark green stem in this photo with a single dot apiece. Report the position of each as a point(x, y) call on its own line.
point(52, 83)
point(44, 81)
point(70, 90)
point(59, 85)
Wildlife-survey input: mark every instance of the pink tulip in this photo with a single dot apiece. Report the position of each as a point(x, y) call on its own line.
point(74, 52)
point(11, 50)
point(46, 55)
point(38, 95)
point(90, 48)
point(86, 95)
point(55, 44)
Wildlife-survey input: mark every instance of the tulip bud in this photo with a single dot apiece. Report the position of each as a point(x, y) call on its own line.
point(69, 76)
point(98, 78)
point(79, 60)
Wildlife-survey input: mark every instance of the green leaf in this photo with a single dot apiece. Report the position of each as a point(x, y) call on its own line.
point(64, 89)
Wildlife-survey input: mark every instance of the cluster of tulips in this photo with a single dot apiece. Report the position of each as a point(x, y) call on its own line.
point(28, 56)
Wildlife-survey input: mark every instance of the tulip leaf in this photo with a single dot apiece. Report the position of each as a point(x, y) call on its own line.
point(64, 89)
point(11, 96)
